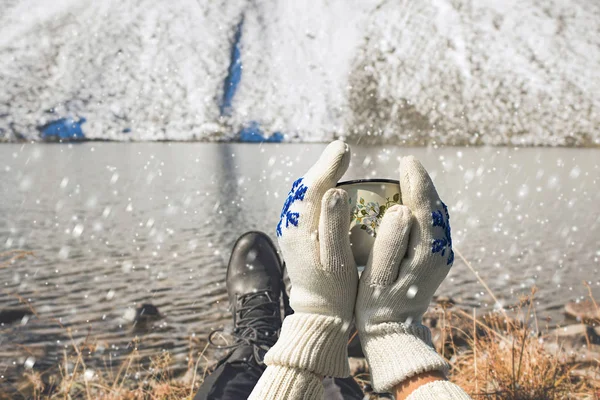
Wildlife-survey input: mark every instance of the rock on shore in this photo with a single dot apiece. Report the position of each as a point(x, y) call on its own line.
point(584, 311)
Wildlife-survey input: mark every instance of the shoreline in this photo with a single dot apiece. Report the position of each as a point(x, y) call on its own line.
point(573, 352)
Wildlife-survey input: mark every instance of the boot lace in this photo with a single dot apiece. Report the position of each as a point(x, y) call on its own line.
point(252, 330)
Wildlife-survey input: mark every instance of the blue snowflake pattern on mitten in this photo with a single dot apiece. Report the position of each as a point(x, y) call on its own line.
point(441, 245)
point(296, 194)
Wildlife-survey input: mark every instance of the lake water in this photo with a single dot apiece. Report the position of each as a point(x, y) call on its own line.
point(112, 226)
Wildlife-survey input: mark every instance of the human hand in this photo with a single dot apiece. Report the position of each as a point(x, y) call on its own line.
point(411, 256)
point(314, 240)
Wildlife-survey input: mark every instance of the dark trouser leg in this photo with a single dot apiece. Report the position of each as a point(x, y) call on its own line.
point(342, 389)
point(229, 382)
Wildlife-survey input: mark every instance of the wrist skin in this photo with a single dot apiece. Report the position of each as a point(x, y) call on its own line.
point(405, 388)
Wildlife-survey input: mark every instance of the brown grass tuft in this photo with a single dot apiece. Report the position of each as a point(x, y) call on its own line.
point(134, 380)
point(510, 359)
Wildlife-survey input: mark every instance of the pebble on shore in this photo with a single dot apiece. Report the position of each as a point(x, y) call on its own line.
point(142, 313)
point(585, 311)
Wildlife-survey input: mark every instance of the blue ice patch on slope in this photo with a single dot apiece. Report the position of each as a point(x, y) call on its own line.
point(252, 132)
point(234, 75)
point(63, 129)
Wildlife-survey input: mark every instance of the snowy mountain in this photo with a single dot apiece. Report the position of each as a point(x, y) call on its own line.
point(438, 71)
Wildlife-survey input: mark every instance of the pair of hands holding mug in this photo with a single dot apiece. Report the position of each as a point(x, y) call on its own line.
point(404, 270)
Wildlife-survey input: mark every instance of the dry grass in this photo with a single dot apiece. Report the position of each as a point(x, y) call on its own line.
point(506, 356)
point(506, 359)
point(133, 380)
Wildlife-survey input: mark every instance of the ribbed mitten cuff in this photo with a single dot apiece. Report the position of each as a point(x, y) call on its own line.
point(278, 383)
point(439, 390)
point(312, 342)
point(396, 352)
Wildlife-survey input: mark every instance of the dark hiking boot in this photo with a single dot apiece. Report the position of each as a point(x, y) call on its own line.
point(254, 285)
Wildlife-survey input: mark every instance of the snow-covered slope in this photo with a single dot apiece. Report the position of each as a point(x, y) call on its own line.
point(155, 67)
point(444, 71)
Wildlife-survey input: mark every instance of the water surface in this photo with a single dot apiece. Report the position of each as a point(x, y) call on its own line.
point(113, 226)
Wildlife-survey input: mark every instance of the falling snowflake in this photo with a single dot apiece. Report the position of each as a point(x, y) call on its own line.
point(296, 194)
point(441, 245)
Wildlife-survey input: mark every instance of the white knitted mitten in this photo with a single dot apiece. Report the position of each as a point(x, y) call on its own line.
point(411, 256)
point(314, 240)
